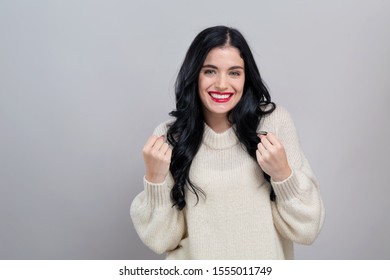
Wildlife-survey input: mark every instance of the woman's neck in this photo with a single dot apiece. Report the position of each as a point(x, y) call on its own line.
point(218, 123)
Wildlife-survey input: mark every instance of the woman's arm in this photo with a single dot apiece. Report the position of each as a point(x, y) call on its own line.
point(159, 225)
point(298, 211)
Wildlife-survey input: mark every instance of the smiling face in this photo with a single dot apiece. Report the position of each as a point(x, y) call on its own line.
point(221, 82)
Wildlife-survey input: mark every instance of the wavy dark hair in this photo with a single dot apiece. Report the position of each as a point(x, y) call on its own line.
point(186, 132)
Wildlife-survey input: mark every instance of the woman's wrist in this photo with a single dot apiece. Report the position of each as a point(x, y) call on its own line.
point(283, 175)
point(154, 179)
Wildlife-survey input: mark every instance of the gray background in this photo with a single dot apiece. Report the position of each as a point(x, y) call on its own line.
point(83, 84)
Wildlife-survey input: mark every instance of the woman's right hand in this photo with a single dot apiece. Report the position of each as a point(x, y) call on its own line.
point(157, 157)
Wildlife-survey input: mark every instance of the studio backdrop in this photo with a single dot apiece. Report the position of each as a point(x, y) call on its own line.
point(83, 84)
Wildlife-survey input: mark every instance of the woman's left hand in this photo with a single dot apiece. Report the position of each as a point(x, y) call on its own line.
point(272, 157)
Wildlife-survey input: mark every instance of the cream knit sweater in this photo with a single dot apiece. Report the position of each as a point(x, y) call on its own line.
point(237, 220)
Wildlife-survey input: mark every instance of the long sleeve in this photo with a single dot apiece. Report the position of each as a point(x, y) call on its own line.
point(298, 210)
point(159, 225)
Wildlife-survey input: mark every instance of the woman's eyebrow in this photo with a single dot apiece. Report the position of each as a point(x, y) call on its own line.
point(215, 67)
point(209, 66)
point(236, 67)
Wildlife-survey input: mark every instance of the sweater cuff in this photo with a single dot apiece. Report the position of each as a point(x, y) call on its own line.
point(288, 188)
point(157, 194)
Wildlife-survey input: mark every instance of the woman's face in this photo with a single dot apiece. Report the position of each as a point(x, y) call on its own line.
point(221, 81)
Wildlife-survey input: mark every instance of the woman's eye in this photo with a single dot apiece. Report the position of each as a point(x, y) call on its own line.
point(235, 73)
point(209, 71)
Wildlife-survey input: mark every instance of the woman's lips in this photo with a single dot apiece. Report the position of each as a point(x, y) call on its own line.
point(220, 97)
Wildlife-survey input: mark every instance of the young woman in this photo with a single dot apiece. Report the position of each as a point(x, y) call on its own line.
point(226, 178)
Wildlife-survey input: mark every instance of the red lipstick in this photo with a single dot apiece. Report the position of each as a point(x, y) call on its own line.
point(220, 97)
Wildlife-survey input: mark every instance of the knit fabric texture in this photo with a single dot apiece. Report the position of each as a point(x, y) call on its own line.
point(237, 219)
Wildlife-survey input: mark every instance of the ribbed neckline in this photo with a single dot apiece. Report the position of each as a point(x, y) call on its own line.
point(219, 141)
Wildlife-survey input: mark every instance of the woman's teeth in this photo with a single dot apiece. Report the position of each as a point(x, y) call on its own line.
point(220, 96)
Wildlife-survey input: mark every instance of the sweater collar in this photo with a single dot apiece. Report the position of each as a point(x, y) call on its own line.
point(219, 141)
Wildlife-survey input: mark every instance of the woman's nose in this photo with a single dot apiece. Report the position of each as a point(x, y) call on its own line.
point(221, 82)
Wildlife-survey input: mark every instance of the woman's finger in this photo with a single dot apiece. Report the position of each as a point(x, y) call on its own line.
point(266, 143)
point(273, 139)
point(168, 154)
point(159, 143)
point(164, 148)
point(150, 142)
point(258, 156)
point(262, 150)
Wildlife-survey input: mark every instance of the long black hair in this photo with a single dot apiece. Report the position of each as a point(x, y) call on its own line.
point(186, 132)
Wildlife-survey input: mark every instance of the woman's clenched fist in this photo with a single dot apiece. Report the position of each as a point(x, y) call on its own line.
point(157, 156)
point(272, 157)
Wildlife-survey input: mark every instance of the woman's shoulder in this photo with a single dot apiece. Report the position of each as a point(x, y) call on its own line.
point(162, 128)
point(280, 112)
point(278, 117)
